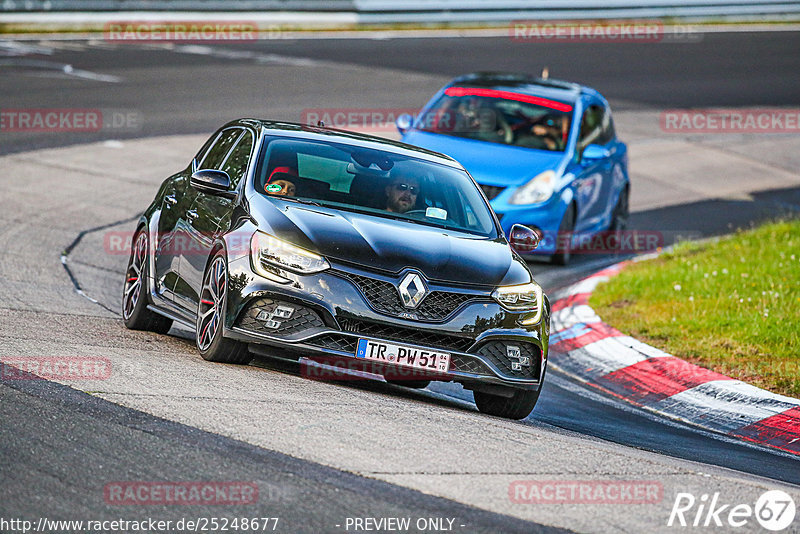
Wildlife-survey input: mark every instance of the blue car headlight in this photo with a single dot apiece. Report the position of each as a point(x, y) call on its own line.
point(538, 190)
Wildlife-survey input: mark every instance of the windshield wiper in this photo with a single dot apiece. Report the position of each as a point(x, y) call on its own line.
point(306, 201)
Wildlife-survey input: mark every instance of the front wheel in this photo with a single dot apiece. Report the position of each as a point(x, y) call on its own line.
point(518, 406)
point(619, 218)
point(211, 314)
point(564, 238)
point(135, 314)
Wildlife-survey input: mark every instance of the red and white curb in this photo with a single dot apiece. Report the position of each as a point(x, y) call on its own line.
point(583, 346)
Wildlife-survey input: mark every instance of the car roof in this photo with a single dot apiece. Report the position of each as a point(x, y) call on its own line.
point(526, 84)
point(333, 135)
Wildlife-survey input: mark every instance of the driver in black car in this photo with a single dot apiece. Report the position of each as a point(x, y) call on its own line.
point(401, 194)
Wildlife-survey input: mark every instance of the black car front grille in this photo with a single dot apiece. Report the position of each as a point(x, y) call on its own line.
point(467, 364)
point(491, 191)
point(441, 304)
point(494, 351)
point(497, 353)
point(413, 336)
point(301, 320)
point(383, 297)
point(347, 344)
point(336, 342)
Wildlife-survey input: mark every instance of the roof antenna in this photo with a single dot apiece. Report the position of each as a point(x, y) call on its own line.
point(545, 73)
point(320, 124)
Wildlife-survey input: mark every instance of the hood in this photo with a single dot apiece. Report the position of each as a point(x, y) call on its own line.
point(391, 245)
point(489, 163)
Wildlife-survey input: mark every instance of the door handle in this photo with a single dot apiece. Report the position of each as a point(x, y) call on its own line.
point(171, 200)
point(191, 215)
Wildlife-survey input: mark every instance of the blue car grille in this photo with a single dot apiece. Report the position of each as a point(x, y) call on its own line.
point(491, 191)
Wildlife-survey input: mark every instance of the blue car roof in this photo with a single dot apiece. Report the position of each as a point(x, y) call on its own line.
point(525, 84)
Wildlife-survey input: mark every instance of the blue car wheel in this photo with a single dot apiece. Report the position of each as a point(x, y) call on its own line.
point(564, 237)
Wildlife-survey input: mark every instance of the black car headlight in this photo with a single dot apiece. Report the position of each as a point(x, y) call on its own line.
point(521, 298)
point(265, 248)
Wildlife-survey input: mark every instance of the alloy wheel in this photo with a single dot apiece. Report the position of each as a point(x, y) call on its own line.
point(133, 278)
point(212, 299)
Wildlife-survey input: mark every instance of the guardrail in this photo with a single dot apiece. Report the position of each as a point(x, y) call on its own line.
point(433, 10)
point(577, 9)
point(17, 6)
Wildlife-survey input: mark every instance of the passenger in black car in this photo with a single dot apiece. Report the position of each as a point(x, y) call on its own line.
point(279, 183)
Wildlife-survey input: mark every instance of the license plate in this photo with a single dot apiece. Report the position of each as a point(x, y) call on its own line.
point(403, 355)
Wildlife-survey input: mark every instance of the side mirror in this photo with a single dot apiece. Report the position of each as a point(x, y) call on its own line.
point(594, 152)
point(524, 239)
point(403, 122)
point(213, 182)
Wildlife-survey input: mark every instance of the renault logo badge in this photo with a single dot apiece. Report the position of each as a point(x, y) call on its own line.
point(412, 290)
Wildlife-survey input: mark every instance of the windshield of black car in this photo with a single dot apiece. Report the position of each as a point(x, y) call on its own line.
point(507, 121)
point(376, 182)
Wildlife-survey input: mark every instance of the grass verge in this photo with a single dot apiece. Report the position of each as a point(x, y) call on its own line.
point(732, 305)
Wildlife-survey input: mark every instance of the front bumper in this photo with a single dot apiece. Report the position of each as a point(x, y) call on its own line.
point(333, 309)
point(545, 217)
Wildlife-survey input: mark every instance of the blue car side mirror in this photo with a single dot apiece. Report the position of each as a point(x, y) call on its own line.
point(403, 122)
point(593, 152)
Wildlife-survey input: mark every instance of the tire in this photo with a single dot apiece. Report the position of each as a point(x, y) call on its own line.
point(414, 384)
point(619, 218)
point(518, 406)
point(210, 342)
point(135, 314)
point(564, 237)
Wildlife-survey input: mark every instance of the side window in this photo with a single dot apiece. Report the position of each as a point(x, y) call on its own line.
point(608, 127)
point(236, 164)
point(591, 127)
point(216, 155)
point(202, 152)
point(596, 127)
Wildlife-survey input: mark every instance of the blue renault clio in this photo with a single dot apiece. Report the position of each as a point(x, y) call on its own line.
point(544, 152)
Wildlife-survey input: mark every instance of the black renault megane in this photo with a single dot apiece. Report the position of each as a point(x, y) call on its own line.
point(334, 244)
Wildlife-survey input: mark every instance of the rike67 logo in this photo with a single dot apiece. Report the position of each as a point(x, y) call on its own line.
point(774, 510)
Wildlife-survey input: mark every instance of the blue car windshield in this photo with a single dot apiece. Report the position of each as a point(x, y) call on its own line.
point(375, 182)
point(498, 120)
